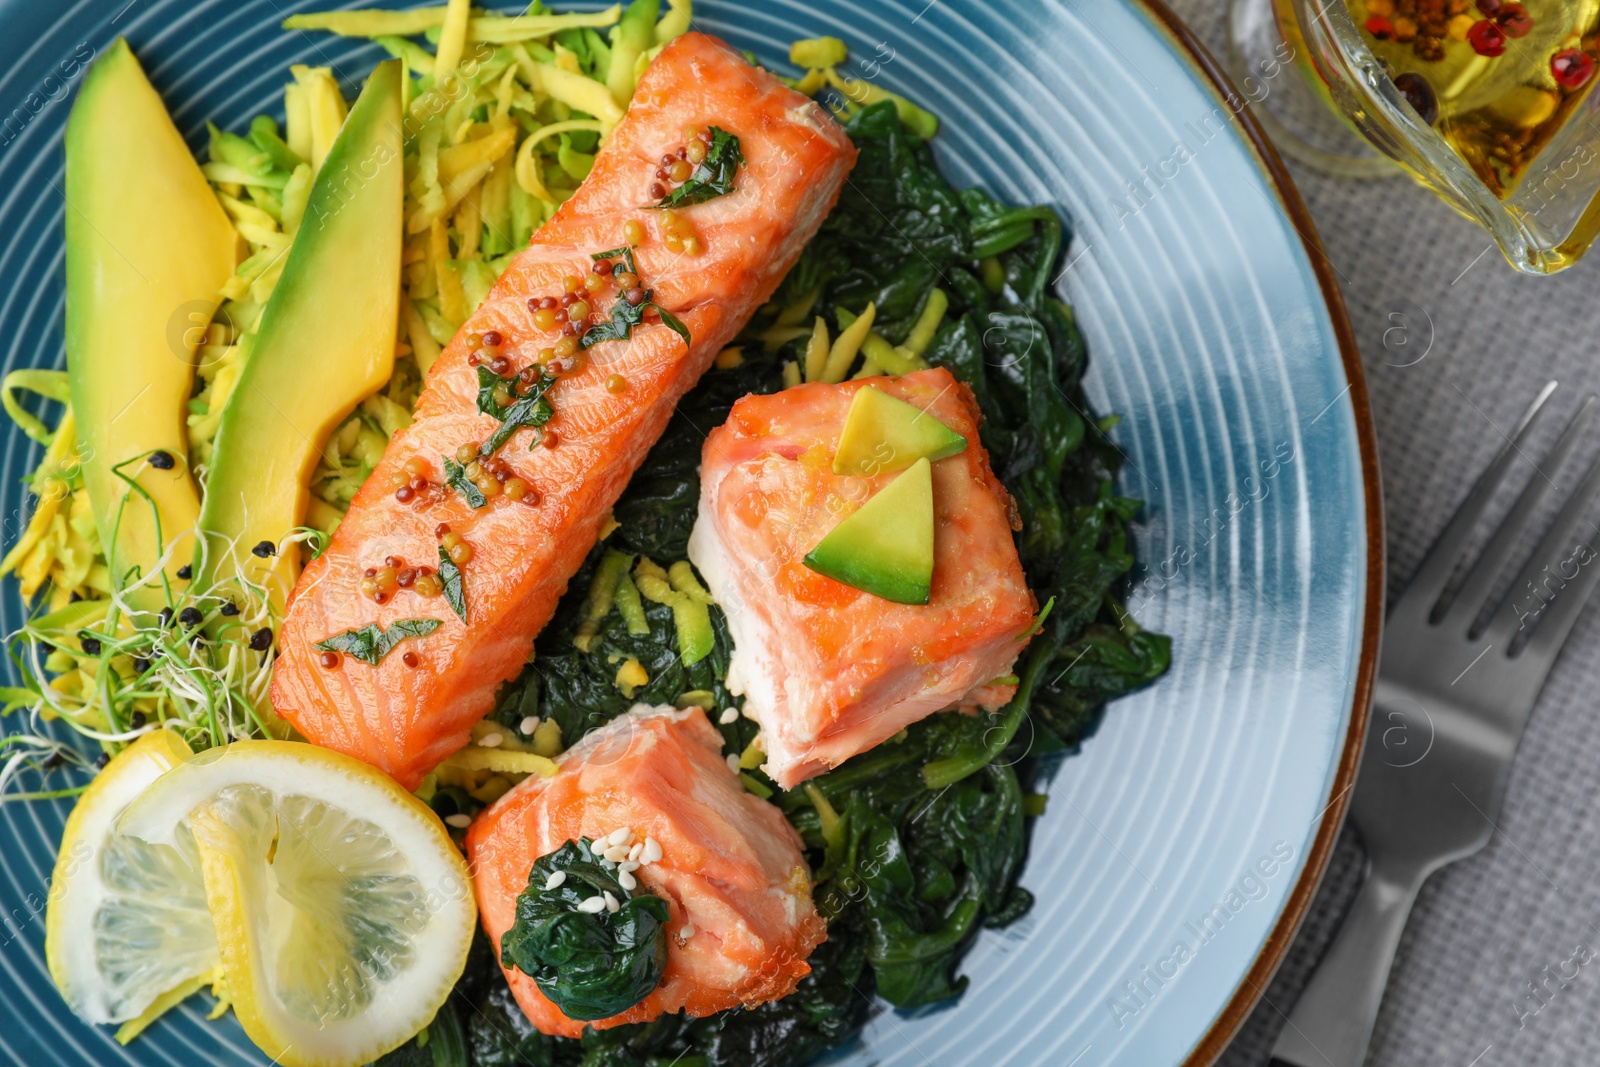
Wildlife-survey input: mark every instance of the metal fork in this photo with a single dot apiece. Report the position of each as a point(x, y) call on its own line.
point(1451, 703)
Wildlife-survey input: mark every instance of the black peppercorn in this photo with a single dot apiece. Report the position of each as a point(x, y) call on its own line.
point(186, 572)
point(261, 640)
point(162, 461)
point(191, 616)
point(140, 664)
point(264, 549)
point(91, 646)
point(136, 720)
point(230, 609)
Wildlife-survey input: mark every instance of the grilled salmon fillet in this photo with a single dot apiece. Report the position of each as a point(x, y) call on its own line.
point(827, 670)
point(736, 886)
point(413, 708)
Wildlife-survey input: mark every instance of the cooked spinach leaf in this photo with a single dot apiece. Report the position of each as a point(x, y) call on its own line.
point(499, 397)
point(712, 178)
point(447, 1040)
point(372, 642)
point(592, 964)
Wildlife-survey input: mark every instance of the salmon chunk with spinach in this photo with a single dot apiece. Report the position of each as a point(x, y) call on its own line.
point(863, 552)
point(642, 879)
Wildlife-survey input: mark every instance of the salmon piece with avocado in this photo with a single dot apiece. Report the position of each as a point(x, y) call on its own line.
point(405, 690)
point(741, 922)
point(828, 669)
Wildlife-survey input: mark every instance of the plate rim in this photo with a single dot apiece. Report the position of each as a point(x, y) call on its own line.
point(1252, 985)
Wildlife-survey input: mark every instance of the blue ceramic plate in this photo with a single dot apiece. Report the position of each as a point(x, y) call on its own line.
point(1181, 847)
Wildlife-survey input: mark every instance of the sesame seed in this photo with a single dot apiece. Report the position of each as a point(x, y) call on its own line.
point(620, 835)
point(528, 725)
point(593, 905)
point(652, 851)
point(616, 853)
point(633, 853)
point(733, 762)
point(611, 902)
point(490, 740)
point(458, 820)
point(598, 847)
point(555, 880)
point(628, 866)
point(687, 932)
point(731, 715)
point(627, 881)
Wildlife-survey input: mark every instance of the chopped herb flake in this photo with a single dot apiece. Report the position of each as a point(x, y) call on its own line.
point(371, 643)
point(619, 327)
point(455, 476)
point(455, 590)
point(533, 410)
point(712, 178)
point(625, 316)
point(626, 252)
point(672, 322)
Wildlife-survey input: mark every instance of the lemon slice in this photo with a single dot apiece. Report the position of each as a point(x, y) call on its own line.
point(127, 920)
point(343, 912)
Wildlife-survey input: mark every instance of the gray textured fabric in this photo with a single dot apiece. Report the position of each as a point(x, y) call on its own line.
point(1486, 928)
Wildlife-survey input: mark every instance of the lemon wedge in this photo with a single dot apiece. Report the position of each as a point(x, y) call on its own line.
point(127, 921)
point(343, 912)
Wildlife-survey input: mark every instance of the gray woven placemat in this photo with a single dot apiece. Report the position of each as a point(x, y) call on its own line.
point(1479, 978)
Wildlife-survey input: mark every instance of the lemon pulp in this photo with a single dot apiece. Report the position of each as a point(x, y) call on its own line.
point(127, 920)
point(342, 911)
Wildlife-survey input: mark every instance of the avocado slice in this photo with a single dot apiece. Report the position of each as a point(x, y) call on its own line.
point(883, 434)
point(148, 251)
point(326, 342)
point(886, 548)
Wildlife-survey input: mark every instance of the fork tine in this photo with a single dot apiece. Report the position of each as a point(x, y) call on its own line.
point(1552, 550)
point(1441, 559)
point(1552, 632)
point(1497, 553)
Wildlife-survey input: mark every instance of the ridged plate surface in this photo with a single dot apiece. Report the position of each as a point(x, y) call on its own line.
point(1208, 332)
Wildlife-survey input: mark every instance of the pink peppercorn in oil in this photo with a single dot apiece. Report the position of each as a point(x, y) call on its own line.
point(1497, 79)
